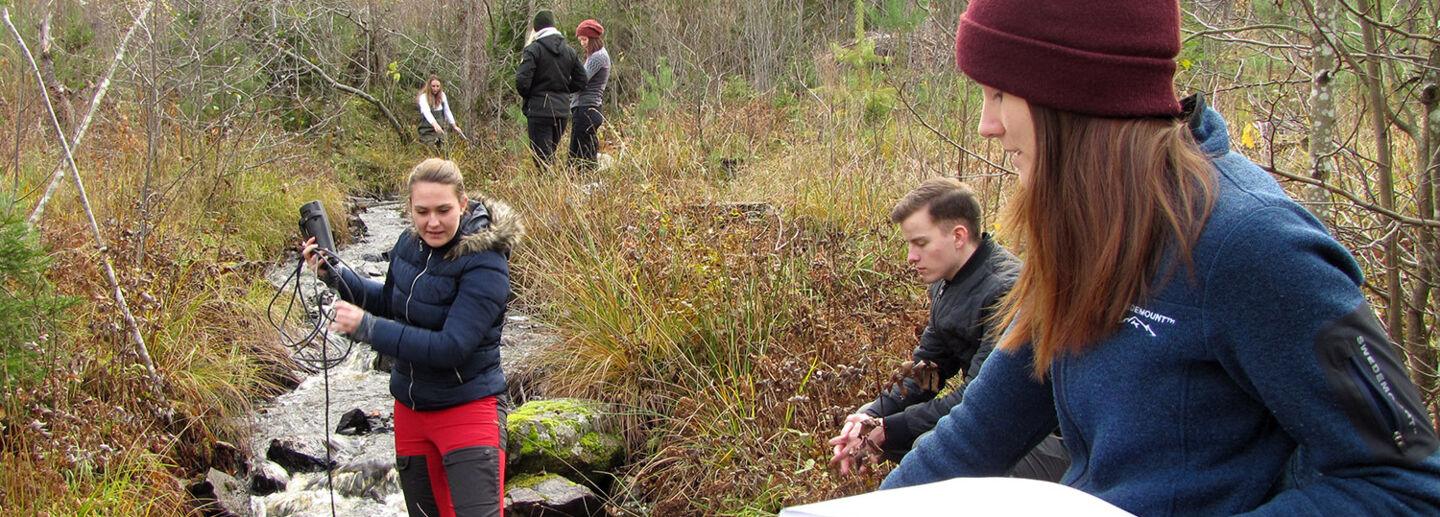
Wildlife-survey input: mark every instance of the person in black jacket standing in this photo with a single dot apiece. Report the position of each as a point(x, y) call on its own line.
point(968, 273)
point(549, 73)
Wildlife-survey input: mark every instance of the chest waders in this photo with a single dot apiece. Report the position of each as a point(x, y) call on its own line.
point(428, 136)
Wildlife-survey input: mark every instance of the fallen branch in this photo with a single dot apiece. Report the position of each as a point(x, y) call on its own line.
point(140, 349)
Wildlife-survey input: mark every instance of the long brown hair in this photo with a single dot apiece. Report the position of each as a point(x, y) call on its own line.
point(434, 99)
point(594, 45)
point(1108, 199)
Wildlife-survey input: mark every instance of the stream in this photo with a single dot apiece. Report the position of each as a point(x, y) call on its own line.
point(364, 462)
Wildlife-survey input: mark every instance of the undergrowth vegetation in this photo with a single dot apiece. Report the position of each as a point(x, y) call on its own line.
point(86, 430)
point(740, 307)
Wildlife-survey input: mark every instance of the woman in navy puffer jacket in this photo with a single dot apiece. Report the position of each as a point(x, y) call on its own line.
point(440, 313)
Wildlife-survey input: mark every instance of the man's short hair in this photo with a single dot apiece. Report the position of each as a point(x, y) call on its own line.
point(949, 200)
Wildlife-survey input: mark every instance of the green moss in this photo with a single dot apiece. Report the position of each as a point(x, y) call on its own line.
point(539, 427)
point(599, 449)
point(528, 480)
point(541, 409)
point(529, 441)
point(556, 436)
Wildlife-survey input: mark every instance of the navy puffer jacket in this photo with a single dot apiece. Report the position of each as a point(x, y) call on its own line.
point(441, 310)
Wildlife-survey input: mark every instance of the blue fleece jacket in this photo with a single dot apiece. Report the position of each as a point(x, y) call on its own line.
point(1265, 385)
point(441, 310)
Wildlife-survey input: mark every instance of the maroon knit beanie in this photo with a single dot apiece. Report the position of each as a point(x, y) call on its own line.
point(590, 29)
point(1107, 59)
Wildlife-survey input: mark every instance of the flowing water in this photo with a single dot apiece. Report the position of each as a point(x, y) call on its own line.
point(364, 475)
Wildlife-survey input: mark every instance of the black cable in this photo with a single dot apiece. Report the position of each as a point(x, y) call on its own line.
point(329, 460)
point(301, 347)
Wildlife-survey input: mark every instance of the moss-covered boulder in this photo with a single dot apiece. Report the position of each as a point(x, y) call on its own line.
point(531, 495)
point(570, 437)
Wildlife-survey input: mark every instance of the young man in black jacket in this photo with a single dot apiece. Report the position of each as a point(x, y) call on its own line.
point(968, 273)
point(549, 72)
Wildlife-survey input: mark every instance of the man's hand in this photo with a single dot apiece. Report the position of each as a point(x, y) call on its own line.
point(928, 375)
point(858, 443)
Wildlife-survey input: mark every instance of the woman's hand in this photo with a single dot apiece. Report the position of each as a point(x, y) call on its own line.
point(312, 256)
point(437, 128)
point(347, 317)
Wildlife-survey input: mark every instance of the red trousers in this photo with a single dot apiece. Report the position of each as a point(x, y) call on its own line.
point(434, 434)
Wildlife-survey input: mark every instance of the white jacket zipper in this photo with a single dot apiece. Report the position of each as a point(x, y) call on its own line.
point(411, 389)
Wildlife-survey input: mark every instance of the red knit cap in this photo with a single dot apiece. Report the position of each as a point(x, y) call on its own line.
point(590, 29)
point(1108, 59)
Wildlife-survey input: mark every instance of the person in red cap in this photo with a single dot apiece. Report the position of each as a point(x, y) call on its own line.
point(1200, 339)
point(585, 108)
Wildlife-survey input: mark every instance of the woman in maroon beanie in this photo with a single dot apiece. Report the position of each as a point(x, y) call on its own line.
point(1199, 338)
point(585, 108)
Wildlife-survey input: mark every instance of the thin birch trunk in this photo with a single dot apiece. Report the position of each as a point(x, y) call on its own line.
point(1323, 63)
point(56, 175)
point(1425, 359)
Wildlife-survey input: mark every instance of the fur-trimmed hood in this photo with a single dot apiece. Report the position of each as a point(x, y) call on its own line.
point(488, 224)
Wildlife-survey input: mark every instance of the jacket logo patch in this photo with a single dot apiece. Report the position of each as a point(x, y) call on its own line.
point(1146, 320)
point(1384, 384)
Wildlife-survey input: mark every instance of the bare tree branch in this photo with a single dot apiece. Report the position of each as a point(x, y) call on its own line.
point(1433, 223)
point(394, 124)
point(899, 94)
point(55, 175)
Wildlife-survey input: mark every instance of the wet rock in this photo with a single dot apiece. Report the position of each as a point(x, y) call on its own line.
point(221, 495)
point(289, 455)
point(372, 480)
point(320, 299)
point(371, 270)
point(550, 495)
point(521, 342)
point(267, 478)
point(357, 227)
point(382, 363)
point(571, 437)
point(354, 421)
point(341, 446)
point(312, 503)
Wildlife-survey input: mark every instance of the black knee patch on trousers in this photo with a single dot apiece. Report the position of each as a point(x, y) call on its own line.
point(474, 475)
point(415, 484)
